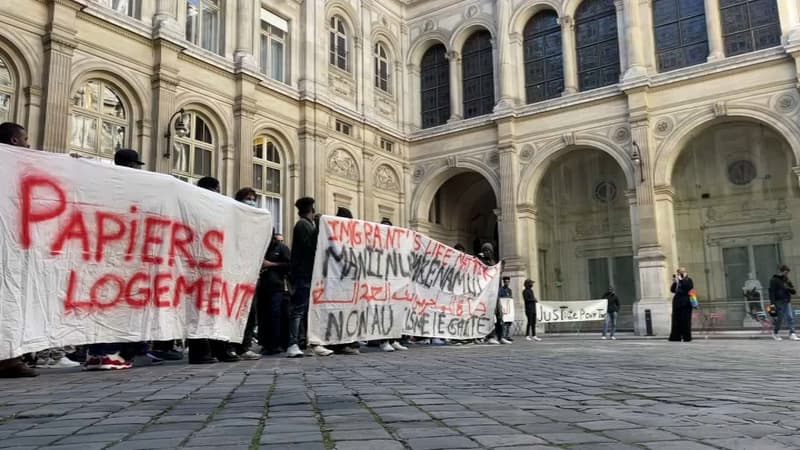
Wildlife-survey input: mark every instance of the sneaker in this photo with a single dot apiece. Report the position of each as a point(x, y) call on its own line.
point(204, 359)
point(537, 338)
point(794, 337)
point(113, 362)
point(437, 341)
point(480, 341)
point(776, 337)
point(387, 347)
point(229, 357)
point(603, 338)
point(348, 350)
point(528, 338)
point(398, 346)
point(493, 341)
point(61, 363)
point(319, 350)
point(424, 342)
point(505, 341)
point(250, 356)
point(168, 355)
point(613, 338)
point(92, 362)
point(294, 352)
point(154, 358)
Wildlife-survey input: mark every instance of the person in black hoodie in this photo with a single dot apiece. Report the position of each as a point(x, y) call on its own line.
point(612, 309)
point(781, 291)
point(271, 293)
point(681, 307)
point(530, 311)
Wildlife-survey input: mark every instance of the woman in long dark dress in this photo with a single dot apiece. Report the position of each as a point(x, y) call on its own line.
point(681, 307)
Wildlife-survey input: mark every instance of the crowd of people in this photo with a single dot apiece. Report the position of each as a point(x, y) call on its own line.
point(279, 312)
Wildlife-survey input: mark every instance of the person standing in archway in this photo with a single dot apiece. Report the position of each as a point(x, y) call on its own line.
point(780, 294)
point(681, 307)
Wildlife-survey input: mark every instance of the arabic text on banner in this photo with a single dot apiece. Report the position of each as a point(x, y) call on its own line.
point(571, 311)
point(376, 281)
point(94, 253)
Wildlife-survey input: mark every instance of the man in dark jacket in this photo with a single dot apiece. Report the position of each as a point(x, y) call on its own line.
point(781, 291)
point(304, 250)
point(271, 294)
point(612, 309)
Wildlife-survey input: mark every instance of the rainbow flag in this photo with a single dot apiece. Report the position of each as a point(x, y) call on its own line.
point(693, 298)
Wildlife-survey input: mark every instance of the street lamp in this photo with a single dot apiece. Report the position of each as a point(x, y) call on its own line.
point(637, 159)
point(181, 130)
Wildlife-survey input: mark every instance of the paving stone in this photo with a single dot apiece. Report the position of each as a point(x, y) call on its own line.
point(148, 444)
point(448, 442)
point(290, 438)
point(409, 433)
point(573, 438)
point(92, 438)
point(501, 440)
point(602, 425)
point(749, 444)
point(300, 446)
point(359, 435)
point(369, 445)
point(634, 435)
point(677, 445)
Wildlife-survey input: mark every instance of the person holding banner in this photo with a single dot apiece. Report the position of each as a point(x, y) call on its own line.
point(271, 295)
point(507, 311)
point(530, 311)
point(247, 195)
point(486, 256)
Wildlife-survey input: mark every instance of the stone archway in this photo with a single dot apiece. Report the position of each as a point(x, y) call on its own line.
point(735, 197)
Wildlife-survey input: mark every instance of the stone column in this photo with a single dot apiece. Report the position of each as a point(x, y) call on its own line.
point(368, 188)
point(506, 67)
point(413, 97)
point(633, 41)
point(716, 50)
point(509, 167)
point(405, 182)
point(59, 45)
point(569, 55)
point(243, 55)
point(622, 37)
point(164, 83)
point(456, 106)
point(244, 111)
point(165, 21)
point(789, 20)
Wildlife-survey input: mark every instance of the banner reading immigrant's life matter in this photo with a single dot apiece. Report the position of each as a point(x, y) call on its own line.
point(93, 253)
point(376, 282)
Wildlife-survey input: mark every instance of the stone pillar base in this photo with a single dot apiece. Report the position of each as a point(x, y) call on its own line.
point(660, 313)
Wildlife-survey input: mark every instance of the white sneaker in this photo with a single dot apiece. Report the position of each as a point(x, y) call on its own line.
point(613, 338)
point(349, 350)
point(603, 338)
point(44, 363)
point(62, 363)
point(505, 341)
point(386, 347)
point(424, 342)
point(437, 341)
point(794, 337)
point(398, 346)
point(493, 341)
point(321, 351)
point(776, 337)
point(250, 356)
point(537, 338)
point(294, 352)
point(528, 338)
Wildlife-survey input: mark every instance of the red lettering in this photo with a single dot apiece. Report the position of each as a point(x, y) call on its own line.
point(161, 285)
point(29, 215)
point(376, 239)
point(417, 242)
point(152, 237)
point(99, 291)
point(448, 253)
point(248, 290)
point(141, 296)
point(69, 301)
point(335, 230)
point(184, 288)
point(229, 300)
point(214, 293)
point(75, 229)
point(182, 237)
point(134, 228)
point(368, 234)
point(105, 235)
point(212, 241)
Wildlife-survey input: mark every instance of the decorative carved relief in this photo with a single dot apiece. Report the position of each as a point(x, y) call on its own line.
point(386, 179)
point(620, 135)
point(418, 174)
point(568, 139)
point(472, 11)
point(720, 109)
point(493, 159)
point(664, 126)
point(526, 154)
point(385, 106)
point(786, 103)
point(452, 161)
point(428, 26)
point(342, 164)
point(341, 85)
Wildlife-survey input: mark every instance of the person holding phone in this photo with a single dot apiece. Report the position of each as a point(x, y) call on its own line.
point(681, 306)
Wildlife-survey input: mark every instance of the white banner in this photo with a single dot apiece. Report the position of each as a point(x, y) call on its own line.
point(507, 305)
point(375, 282)
point(93, 253)
point(571, 311)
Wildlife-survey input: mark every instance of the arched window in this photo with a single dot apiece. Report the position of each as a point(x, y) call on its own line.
point(435, 87)
point(193, 154)
point(99, 120)
point(749, 25)
point(339, 55)
point(267, 171)
point(478, 73)
point(544, 68)
point(596, 44)
point(7, 91)
point(381, 67)
point(679, 28)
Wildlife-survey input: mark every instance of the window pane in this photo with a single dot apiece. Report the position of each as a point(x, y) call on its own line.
point(112, 105)
point(180, 157)
point(478, 75)
point(277, 61)
point(202, 162)
point(544, 73)
point(84, 133)
point(272, 153)
point(596, 44)
point(192, 14)
point(258, 176)
point(87, 96)
point(264, 57)
point(273, 181)
point(120, 6)
point(113, 138)
point(210, 29)
point(749, 25)
point(5, 75)
point(258, 150)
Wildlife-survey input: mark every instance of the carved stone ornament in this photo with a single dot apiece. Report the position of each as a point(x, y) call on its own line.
point(342, 164)
point(786, 103)
point(493, 159)
point(472, 11)
point(720, 109)
point(428, 26)
point(620, 135)
point(663, 126)
point(526, 154)
point(418, 174)
point(568, 139)
point(386, 179)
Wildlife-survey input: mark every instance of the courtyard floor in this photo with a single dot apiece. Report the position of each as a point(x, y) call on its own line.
point(561, 393)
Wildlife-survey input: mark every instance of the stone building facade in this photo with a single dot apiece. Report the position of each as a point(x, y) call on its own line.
point(595, 142)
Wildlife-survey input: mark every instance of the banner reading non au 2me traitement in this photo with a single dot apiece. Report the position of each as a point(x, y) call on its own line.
point(93, 253)
point(376, 281)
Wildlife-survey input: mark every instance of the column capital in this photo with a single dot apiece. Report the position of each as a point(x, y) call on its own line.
point(506, 149)
point(566, 22)
point(453, 56)
point(619, 5)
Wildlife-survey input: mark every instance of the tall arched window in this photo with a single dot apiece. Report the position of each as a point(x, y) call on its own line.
point(749, 25)
point(381, 67)
point(99, 120)
point(435, 87)
point(193, 154)
point(339, 54)
point(596, 44)
point(478, 73)
point(267, 171)
point(679, 28)
point(7, 91)
point(544, 67)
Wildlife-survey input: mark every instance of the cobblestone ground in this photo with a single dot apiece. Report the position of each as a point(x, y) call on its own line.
point(556, 394)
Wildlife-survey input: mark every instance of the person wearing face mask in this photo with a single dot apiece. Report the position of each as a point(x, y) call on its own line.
point(681, 307)
point(247, 196)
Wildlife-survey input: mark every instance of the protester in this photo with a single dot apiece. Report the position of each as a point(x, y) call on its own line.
point(271, 295)
point(612, 309)
point(504, 332)
point(14, 134)
point(781, 291)
point(530, 310)
point(681, 307)
point(486, 256)
point(387, 345)
point(304, 249)
point(352, 347)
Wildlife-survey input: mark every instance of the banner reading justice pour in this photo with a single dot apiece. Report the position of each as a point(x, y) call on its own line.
point(571, 311)
point(375, 282)
point(93, 253)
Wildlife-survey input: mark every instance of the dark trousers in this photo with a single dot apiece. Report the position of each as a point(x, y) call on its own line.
point(299, 314)
point(249, 329)
point(270, 318)
point(198, 349)
point(681, 321)
point(530, 313)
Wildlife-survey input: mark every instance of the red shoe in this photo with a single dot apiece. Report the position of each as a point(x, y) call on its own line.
point(92, 362)
point(114, 362)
